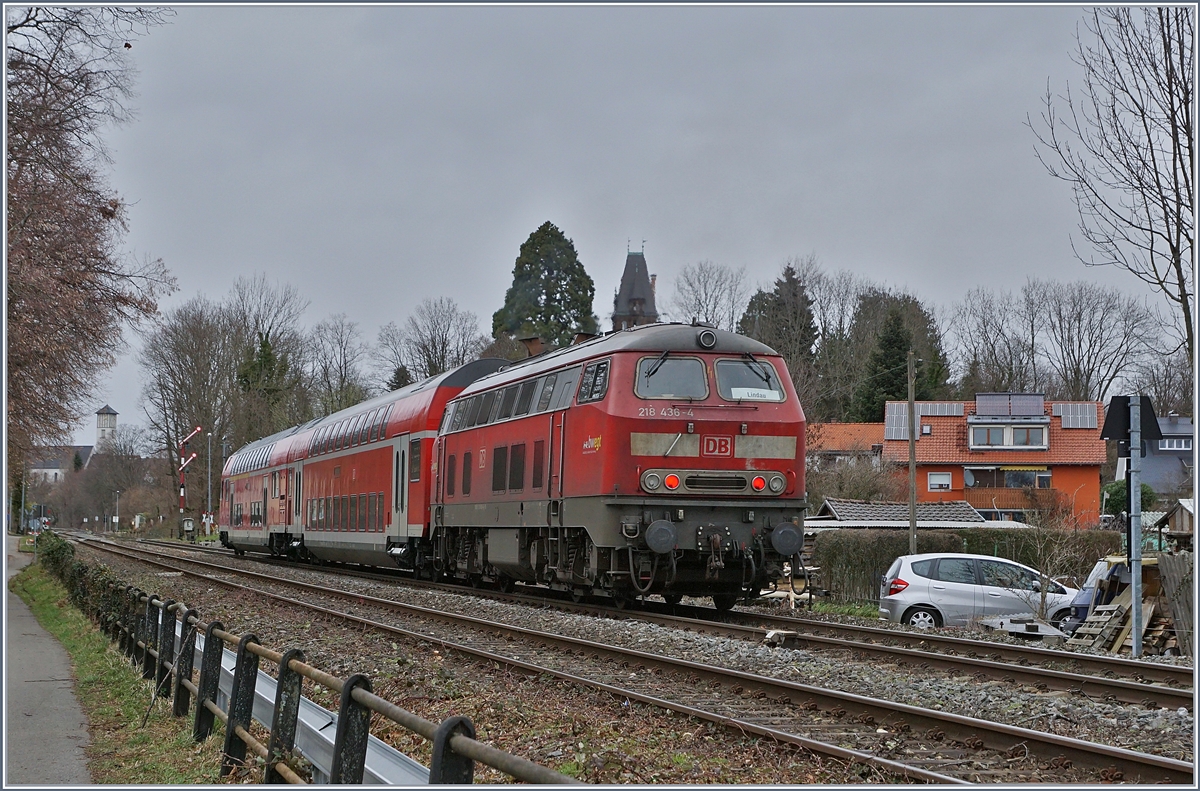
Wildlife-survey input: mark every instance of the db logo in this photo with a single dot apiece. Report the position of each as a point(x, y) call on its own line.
point(716, 446)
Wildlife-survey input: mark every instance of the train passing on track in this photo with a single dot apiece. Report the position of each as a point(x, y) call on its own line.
point(662, 459)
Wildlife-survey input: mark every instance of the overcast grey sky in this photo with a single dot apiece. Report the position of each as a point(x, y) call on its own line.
point(375, 156)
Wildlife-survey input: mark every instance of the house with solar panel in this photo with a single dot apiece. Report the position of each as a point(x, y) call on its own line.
point(1009, 455)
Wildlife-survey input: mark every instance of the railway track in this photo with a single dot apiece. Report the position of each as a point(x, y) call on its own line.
point(1100, 677)
point(895, 738)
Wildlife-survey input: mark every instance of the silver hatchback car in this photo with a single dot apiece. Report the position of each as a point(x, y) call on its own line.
point(949, 589)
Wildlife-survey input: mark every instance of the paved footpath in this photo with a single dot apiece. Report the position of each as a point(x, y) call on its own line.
point(46, 732)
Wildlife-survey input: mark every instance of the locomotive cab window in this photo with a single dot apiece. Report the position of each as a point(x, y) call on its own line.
point(664, 376)
point(748, 379)
point(595, 382)
point(525, 398)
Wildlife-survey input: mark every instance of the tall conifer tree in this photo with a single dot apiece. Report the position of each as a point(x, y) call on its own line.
point(551, 295)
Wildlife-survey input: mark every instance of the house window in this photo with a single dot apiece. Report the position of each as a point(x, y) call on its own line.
point(1175, 443)
point(985, 435)
point(1043, 480)
point(1024, 435)
point(939, 481)
point(1019, 479)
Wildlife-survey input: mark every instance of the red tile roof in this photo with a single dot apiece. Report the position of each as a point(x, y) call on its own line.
point(947, 443)
point(834, 437)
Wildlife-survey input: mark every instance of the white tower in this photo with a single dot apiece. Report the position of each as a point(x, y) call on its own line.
point(106, 424)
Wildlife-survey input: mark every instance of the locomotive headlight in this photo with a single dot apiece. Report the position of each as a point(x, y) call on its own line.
point(672, 481)
point(759, 483)
point(651, 481)
point(776, 483)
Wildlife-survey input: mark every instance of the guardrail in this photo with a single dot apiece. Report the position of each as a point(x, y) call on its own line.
point(166, 638)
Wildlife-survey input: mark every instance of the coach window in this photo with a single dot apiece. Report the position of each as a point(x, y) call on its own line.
point(510, 400)
point(547, 391)
point(516, 467)
point(352, 521)
point(499, 468)
point(748, 379)
point(450, 470)
point(337, 513)
point(663, 376)
point(371, 511)
point(362, 513)
point(325, 446)
point(275, 485)
point(414, 460)
point(347, 512)
point(466, 473)
point(595, 382)
point(539, 456)
point(383, 421)
point(361, 427)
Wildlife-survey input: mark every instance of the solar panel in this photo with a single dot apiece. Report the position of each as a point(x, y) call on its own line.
point(1077, 415)
point(895, 421)
point(991, 404)
point(1027, 404)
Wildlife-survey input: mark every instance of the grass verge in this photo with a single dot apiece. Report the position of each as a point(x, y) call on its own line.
point(115, 698)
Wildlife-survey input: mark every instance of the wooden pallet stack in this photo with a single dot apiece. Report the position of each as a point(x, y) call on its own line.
point(1109, 627)
point(1101, 627)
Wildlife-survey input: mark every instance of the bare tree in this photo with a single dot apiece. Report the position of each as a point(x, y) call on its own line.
point(336, 356)
point(437, 337)
point(997, 337)
point(70, 288)
point(189, 363)
point(1125, 145)
point(1094, 336)
point(711, 293)
point(1167, 380)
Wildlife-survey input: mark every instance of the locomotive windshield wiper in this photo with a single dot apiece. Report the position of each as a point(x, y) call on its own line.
point(761, 370)
point(657, 364)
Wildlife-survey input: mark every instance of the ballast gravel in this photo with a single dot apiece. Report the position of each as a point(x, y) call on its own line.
point(1161, 732)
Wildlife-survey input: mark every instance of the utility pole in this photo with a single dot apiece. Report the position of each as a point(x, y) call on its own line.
point(21, 521)
point(912, 454)
point(208, 510)
point(1135, 518)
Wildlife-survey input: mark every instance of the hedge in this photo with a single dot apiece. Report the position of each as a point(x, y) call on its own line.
point(852, 561)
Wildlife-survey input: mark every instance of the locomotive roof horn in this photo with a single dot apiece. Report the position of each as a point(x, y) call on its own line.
point(533, 344)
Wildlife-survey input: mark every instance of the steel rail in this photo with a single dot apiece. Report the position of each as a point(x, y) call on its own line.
point(813, 745)
point(1120, 689)
point(996, 736)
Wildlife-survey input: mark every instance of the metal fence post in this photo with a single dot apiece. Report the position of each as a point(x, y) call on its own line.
point(446, 765)
point(287, 710)
point(241, 705)
point(210, 680)
point(183, 666)
point(350, 740)
point(151, 632)
point(166, 648)
point(137, 626)
point(123, 622)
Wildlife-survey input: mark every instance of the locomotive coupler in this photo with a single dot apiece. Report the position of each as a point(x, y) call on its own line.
point(716, 561)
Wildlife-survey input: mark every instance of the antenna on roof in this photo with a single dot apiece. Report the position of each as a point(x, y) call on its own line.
point(643, 247)
point(628, 242)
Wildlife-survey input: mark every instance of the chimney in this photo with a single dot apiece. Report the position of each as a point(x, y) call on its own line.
point(1173, 416)
point(533, 345)
point(653, 281)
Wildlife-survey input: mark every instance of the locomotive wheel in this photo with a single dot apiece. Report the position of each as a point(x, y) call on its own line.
point(724, 601)
point(506, 584)
point(577, 594)
point(623, 600)
point(672, 598)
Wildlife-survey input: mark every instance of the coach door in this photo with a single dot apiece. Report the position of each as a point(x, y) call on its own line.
point(399, 521)
point(557, 459)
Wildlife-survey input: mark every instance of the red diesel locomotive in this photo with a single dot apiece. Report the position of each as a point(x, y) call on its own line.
point(664, 459)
